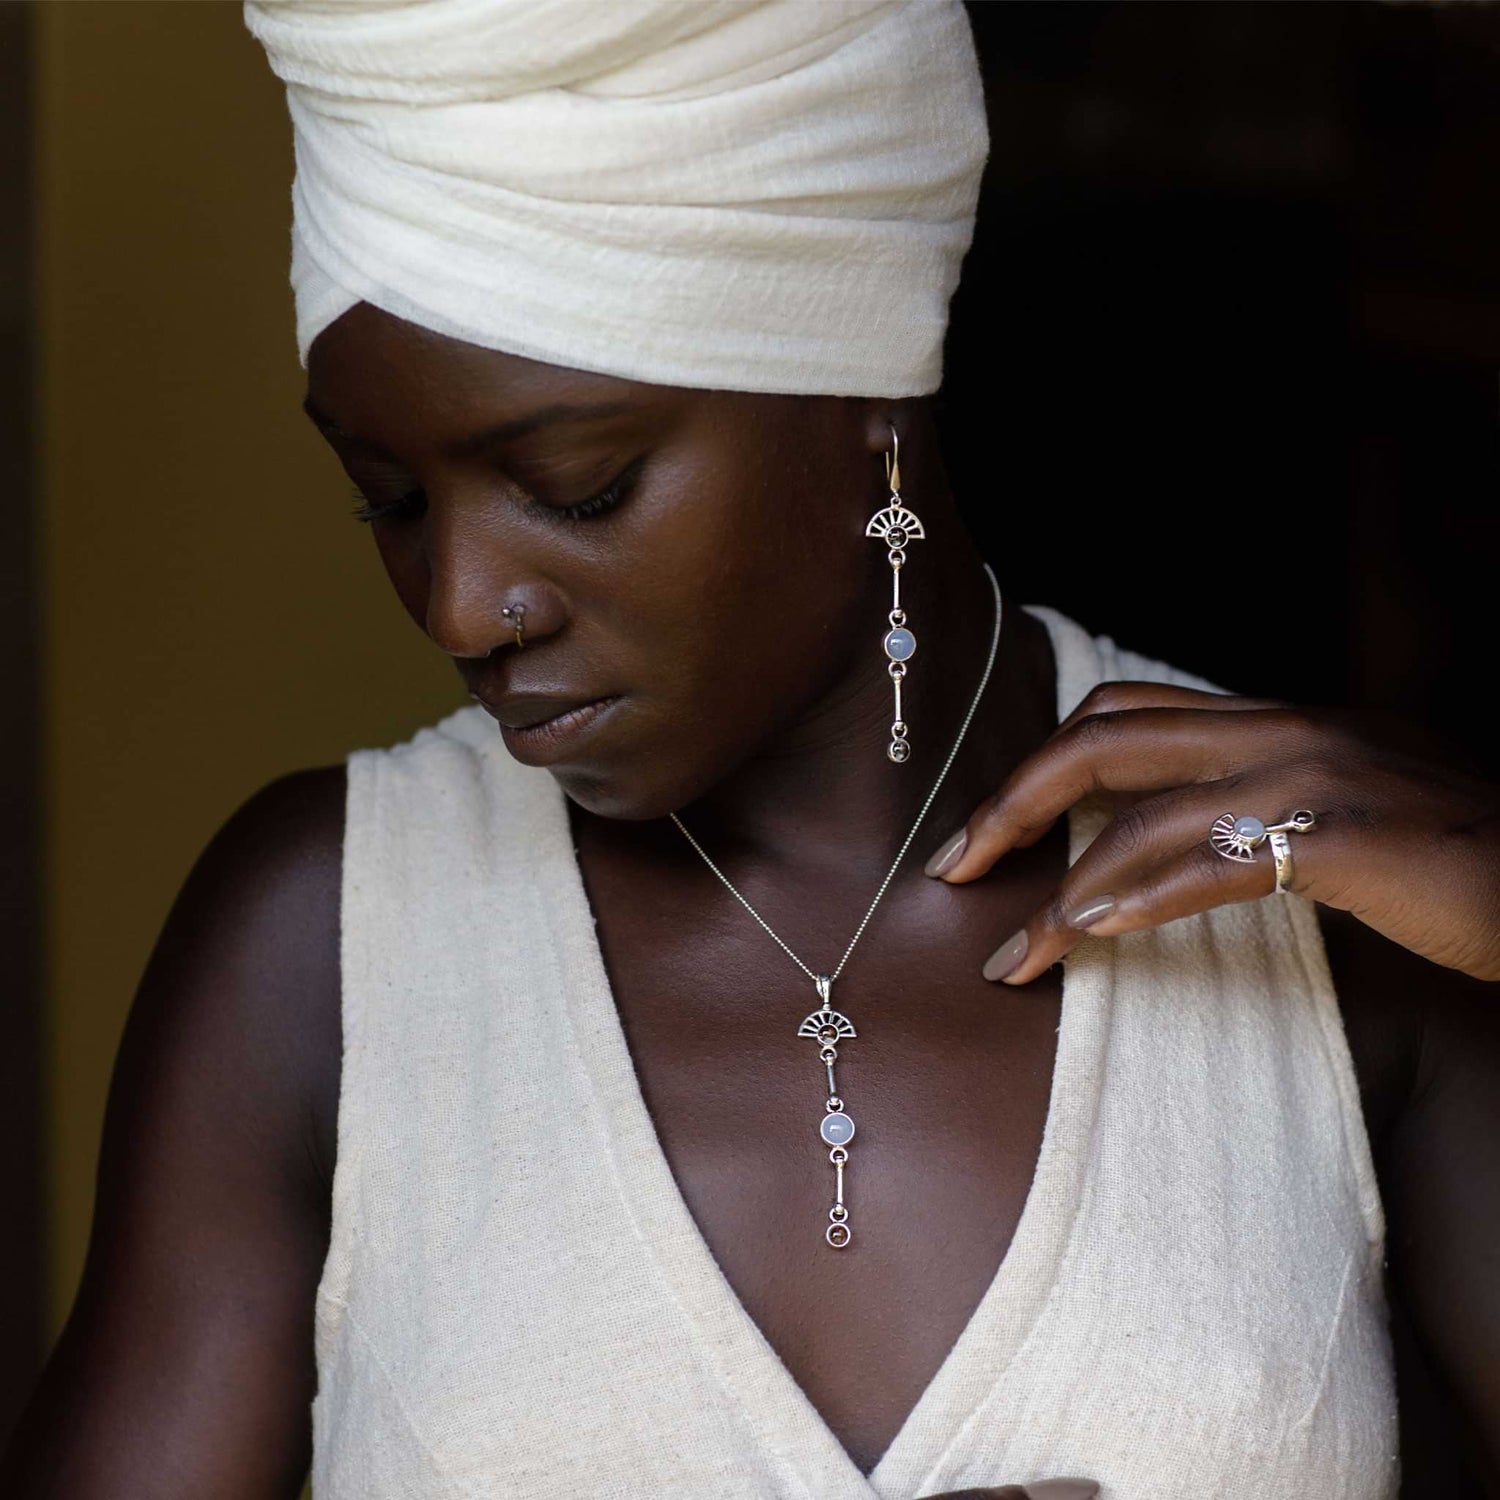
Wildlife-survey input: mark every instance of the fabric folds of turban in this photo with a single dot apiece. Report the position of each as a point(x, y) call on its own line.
point(764, 195)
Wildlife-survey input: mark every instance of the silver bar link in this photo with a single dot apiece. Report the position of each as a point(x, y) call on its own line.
point(838, 1234)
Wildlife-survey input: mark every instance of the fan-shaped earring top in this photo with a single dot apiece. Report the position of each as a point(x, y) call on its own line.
point(895, 526)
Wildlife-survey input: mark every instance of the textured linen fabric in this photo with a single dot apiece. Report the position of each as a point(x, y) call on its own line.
point(762, 195)
point(517, 1302)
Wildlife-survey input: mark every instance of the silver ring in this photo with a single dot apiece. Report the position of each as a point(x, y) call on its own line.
point(1238, 838)
point(1281, 852)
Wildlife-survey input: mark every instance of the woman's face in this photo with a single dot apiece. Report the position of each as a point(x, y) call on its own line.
point(690, 557)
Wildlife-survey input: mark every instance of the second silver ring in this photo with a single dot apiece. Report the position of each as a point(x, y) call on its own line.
point(1281, 852)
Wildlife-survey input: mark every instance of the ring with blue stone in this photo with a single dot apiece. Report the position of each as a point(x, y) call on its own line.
point(1238, 838)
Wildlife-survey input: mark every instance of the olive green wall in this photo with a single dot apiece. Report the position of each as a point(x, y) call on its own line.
point(213, 618)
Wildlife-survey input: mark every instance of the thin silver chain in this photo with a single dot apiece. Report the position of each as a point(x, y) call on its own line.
point(901, 853)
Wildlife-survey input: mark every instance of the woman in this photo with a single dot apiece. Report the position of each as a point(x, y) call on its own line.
point(469, 1095)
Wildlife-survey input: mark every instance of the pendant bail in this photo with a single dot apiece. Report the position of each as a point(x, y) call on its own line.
point(825, 987)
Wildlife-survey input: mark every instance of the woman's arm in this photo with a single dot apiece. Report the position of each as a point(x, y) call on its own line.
point(186, 1367)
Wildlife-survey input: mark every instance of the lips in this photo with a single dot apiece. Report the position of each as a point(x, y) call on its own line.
point(532, 710)
point(556, 728)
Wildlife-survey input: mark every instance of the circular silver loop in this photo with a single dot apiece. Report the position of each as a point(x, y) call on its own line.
point(838, 1235)
point(839, 1155)
point(838, 1213)
point(897, 618)
point(835, 1103)
point(1301, 821)
point(829, 1054)
point(516, 614)
point(897, 556)
point(899, 729)
point(897, 669)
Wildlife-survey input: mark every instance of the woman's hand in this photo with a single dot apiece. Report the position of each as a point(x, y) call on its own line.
point(1410, 846)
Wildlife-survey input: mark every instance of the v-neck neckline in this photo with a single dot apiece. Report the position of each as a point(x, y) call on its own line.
point(790, 1431)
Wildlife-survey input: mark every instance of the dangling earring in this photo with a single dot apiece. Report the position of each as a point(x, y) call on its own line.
point(895, 525)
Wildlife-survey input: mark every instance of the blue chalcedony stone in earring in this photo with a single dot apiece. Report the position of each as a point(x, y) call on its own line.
point(900, 644)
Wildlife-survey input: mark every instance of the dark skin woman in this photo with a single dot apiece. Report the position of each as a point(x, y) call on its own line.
point(697, 559)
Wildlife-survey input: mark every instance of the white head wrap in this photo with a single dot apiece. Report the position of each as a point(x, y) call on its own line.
point(762, 195)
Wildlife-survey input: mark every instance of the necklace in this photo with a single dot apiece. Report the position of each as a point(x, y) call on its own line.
point(827, 1026)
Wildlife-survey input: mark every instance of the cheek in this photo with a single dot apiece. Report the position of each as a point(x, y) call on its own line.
point(739, 601)
point(404, 567)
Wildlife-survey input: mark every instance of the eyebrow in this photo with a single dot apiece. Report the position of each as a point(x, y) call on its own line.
point(489, 437)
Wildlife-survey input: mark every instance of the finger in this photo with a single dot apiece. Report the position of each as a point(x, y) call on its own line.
point(1185, 883)
point(1115, 697)
point(1131, 750)
point(1105, 699)
point(1134, 844)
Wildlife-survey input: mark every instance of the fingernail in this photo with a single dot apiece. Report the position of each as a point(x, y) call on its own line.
point(1090, 912)
point(1006, 958)
point(1061, 1489)
point(949, 855)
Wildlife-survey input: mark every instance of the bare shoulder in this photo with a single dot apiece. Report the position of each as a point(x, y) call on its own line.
point(211, 1217)
point(265, 893)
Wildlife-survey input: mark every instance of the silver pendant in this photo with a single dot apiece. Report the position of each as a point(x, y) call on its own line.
point(829, 1027)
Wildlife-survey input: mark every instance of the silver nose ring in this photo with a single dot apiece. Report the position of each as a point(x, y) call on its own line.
point(516, 614)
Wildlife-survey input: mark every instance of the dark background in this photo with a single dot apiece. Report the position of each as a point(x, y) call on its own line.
point(1228, 340)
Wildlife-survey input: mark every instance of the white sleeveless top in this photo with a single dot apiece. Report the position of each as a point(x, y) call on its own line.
point(517, 1302)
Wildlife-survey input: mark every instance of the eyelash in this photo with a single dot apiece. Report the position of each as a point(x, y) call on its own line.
point(606, 499)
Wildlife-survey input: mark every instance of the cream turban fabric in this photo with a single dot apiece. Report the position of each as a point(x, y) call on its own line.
point(763, 195)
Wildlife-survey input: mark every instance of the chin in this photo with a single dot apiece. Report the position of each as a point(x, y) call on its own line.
point(617, 797)
point(642, 787)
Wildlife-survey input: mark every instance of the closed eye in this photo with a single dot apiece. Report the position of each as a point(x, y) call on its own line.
point(613, 494)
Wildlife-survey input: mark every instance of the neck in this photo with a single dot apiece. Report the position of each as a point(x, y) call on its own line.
point(826, 797)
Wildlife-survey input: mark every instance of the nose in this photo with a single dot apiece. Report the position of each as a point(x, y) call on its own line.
point(471, 584)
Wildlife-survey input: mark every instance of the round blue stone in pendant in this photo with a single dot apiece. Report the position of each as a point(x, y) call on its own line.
point(900, 644)
point(837, 1129)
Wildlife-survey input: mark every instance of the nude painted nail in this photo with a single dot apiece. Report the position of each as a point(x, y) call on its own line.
point(1061, 1489)
point(1006, 958)
point(949, 855)
point(1091, 912)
